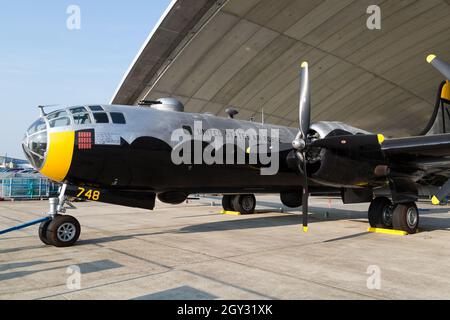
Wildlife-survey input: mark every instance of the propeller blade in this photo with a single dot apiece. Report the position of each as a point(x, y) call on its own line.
point(300, 143)
point(442, 193)
point(305, 197)
point(305, 100)
point(442, 66)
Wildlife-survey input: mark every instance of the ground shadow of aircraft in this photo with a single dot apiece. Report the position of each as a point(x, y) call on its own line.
point(317, 214)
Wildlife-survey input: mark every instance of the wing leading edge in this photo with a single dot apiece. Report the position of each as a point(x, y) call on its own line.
point(423, 146)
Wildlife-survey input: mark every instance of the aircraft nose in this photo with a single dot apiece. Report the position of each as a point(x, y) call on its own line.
point(49, 152)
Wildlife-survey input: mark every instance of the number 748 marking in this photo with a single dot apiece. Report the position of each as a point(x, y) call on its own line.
point(89, 194)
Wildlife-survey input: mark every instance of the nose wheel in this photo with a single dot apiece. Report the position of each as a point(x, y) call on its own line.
point(60, 230)
point(43, 232)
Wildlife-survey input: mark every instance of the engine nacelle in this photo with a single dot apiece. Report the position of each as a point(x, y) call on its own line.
point(325, 128)
point(344, 170)
point(346, 167)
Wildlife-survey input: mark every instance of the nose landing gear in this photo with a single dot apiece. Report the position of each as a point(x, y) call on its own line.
point(402, 216)
point(54, 229)
point(59, 230)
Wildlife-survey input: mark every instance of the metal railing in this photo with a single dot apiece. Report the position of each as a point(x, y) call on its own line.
point(26, 188)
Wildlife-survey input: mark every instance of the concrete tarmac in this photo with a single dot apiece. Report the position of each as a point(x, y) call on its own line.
point(191, 251)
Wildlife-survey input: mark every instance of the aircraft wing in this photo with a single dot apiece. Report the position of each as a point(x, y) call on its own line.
point(429, 154)
point(424, 159)
point(415, 149)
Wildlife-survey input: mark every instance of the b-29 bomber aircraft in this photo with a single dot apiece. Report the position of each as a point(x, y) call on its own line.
point(124, 155)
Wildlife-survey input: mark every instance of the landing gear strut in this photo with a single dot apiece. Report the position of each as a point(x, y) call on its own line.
point(60, 230)
point(401, 216)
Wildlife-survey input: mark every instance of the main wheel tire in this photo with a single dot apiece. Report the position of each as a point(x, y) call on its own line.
point(227, 203)
point(43, 232)
point(380, 213)
point(244, 203)
point(63, 231)
point(406, 217)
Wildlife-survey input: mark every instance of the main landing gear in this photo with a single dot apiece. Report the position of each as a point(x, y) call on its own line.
point(60, 230)
point(402, 216)
point(242, 203)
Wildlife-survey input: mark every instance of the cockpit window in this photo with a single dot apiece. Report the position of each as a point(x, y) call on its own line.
point(57, 114)
point(81, 118)
point(80, 115)
point(96, 108)
point(37, 126)
point(101, 117)
point(58, 118)
point(35, 147)
point(117, 117)
point(35, 143)
point(78, 110)
point(60, 122)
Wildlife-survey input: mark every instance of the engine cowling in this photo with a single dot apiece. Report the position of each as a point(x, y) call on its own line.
point(345, 167)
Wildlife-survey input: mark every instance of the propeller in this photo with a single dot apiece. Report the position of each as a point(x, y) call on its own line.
point(442, 66)
point(300, 142)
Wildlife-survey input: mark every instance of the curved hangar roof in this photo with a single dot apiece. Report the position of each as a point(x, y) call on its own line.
point(246, 54)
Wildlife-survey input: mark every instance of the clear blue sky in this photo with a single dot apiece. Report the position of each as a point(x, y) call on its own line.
point(42, 62)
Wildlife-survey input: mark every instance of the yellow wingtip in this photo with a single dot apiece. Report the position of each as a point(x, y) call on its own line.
point(381, 138)
point(304, 64)
point(430, 58)
point(305, 229)
point(435, 201)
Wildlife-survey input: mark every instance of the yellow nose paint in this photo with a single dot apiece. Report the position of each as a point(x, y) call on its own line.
point(59, 155)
